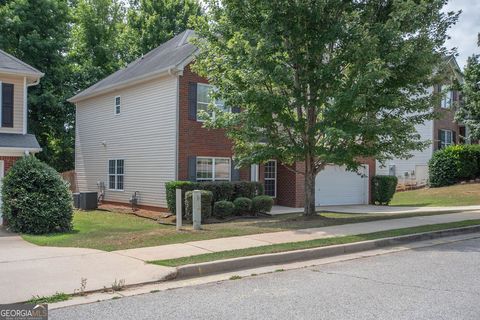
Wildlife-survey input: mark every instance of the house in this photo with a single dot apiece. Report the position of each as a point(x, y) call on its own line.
point(439, 133)
point(15, 78)
point(139, 128)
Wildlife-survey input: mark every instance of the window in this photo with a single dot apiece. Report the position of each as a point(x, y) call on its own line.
point(204, 99)
point(446, 138)
point(270, 178)
point(118, 107)
point(213, 169)
point(116, 171)
point(447, 100)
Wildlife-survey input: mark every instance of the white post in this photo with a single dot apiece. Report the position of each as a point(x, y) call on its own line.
point(197, 209)
point(179, 210)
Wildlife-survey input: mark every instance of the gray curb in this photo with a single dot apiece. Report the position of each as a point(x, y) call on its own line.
point(221, 266)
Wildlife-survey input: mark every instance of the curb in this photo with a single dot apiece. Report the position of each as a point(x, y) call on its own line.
point(235, 264)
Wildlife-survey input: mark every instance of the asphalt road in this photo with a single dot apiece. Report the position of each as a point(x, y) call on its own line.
point(439, 282)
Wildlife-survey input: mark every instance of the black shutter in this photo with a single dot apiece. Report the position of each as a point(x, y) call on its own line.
point(235, 109)
point(454, 137)
point(439, 145)
point(192, 100)
point(192, 168)
point(235, 172)
point(7, 105)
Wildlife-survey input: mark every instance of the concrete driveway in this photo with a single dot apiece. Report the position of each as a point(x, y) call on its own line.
point(28, 270)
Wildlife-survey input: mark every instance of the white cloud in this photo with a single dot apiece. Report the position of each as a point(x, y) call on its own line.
point(464, 33)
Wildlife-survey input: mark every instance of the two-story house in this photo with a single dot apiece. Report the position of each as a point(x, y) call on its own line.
point(439, 132)
point(15, 78)
point(139, 128)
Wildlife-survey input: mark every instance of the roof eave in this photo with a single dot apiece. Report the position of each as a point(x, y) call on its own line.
point(22, 73)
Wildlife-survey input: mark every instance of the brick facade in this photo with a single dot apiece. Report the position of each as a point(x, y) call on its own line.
point(8, 162)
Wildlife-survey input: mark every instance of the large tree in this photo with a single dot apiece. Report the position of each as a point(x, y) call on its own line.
point(322, 82)
point(469, 110)
point(37, 31)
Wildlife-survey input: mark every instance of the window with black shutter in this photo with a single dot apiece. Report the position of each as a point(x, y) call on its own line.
point(7, 105)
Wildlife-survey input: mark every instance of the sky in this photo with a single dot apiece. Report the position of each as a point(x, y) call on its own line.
point(464, 33)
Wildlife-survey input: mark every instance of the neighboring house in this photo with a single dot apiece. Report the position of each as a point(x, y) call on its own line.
point(440, 132)
point(139, 128)
point(15, 78)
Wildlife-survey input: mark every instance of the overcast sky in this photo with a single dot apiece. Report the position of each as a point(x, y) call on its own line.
point(464, 33)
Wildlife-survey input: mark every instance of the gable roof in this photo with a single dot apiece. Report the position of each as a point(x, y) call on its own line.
point(168, 56)
point(12, 65)
point(14, 140)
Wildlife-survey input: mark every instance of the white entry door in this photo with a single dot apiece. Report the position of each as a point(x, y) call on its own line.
point(337, 186)
point(2, 169)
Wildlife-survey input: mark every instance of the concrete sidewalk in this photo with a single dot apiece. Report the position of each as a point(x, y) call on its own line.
point(256, 240)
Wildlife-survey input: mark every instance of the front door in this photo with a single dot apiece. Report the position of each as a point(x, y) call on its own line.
point(2, 168)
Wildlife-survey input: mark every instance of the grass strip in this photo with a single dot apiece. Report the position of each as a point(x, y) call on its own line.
point(283, 247)
point(57, 297)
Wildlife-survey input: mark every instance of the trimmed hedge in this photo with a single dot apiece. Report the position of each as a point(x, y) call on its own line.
point(453, 164)
point(383, 189)
point(243, 206)
point(36, 200)
point(247, 189)
point(223, 209)
point(206, 207)
point(171, 195)
point(262, 204)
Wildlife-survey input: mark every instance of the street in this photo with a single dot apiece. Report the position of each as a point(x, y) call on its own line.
point(438, 282)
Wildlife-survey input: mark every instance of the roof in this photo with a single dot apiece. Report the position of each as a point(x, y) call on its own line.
point(169, 55)
point(10, 64)
point(15, 140)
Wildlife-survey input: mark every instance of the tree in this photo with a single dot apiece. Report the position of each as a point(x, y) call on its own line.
point(37, 31)
point(469, 110)
point(322, 82)
point(152, 22)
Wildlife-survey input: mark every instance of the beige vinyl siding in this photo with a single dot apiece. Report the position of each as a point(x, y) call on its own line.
point(143, 134)
point(17, 103)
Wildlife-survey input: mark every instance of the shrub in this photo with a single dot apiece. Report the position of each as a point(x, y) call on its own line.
point(262, 204)
point(383, 189)
point(247, 189)
point(221, 190)
point(223, 208)
point(242, 206)
point(206, 205)
point(171, 194)
point(36, 199)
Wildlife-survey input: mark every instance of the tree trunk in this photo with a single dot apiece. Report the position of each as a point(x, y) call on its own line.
point(309, 189)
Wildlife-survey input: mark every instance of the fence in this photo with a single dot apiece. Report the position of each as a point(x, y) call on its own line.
point(71, 178)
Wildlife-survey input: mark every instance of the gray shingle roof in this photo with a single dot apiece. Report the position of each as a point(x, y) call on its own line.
point(168, 55)
point(10, 63)
point(14, 140)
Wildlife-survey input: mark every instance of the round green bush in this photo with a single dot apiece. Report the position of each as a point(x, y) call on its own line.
point(383, 188)
point(206, 206)
point(242, 206)
point(442, 169)
point(223, 209)
point(36, 200)
point(262, 204)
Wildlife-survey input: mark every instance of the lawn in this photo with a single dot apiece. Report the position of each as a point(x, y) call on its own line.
point(115, 231)
point(457, 195)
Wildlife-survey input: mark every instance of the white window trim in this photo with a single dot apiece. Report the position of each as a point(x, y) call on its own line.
point(445, 144)
point(276, 174)
point(447, 100)
point(108, 175)
point(213, 169)
point(254, 171)
point(207, 104)
point(115, 106)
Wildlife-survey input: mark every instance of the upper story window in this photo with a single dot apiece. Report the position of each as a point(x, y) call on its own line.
point(213, 169)
point(118, 105)
point(446, 138)
point(447, 100)
point(116, 172)
point(204, 99)
point(6, 105)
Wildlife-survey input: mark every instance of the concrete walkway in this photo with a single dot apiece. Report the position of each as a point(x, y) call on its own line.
point(215, 245)
point(27, 270)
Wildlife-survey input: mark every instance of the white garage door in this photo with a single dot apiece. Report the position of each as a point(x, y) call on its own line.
point(337, 186)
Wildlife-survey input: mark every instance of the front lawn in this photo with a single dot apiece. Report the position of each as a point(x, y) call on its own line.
point(115, 231)
point(457, 195)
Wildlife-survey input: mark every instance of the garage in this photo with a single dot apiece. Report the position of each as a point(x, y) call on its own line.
point(337, 186)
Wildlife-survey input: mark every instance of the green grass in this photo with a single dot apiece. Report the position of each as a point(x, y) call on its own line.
point(310, 244)
point(115, 231)
point(457, 195)
point(57, 297)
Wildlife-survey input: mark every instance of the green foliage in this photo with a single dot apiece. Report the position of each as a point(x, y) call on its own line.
point(206, 207)
point(220, 190)
point(454, 163)
point(171, 194)
point(262, 204)
point(468, 111)
point(223, 209)
point(383, 189)
point(36, 200)
point(243, 206)
point(322, 81)
point(247, 189)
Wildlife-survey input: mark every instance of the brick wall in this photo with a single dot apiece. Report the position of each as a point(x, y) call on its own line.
point(8, 162)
